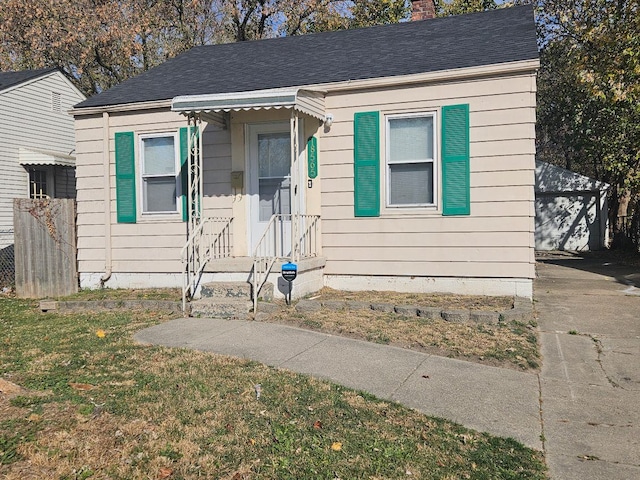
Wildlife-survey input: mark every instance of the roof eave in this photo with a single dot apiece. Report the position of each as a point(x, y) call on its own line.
point(120, 107)
point(26, 81)
point(507, 68)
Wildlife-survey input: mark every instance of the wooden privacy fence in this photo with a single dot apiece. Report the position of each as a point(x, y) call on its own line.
point(45, 247)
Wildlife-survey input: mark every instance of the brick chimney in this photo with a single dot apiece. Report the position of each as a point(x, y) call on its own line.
point(422, 9)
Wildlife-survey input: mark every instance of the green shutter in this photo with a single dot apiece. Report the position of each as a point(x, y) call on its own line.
point(184, 174)
point(125, 177)
point(366, 153)
point(455, 160)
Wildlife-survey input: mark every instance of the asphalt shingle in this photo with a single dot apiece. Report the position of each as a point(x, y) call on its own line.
point(9, 79)
point(497, 36)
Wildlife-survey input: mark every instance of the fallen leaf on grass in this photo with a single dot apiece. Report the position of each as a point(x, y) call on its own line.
point(336, 446)
point(81, 386)
point(317, 424)
point(101, 333)
point(165, 472)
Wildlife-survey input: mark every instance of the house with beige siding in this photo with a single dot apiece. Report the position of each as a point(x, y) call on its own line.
point(397, 157)
point(37, 140)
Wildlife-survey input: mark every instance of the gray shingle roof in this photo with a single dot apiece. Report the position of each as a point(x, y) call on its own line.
point(9, 79)
point(497, 36)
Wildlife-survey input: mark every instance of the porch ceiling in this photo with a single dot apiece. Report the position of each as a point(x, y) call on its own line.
point(305, 101)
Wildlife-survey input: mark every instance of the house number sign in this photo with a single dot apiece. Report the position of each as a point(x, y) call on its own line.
point(312, 157)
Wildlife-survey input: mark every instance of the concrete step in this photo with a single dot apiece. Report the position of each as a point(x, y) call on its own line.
point(222, 290)
point(222, 308)
point(234, 290)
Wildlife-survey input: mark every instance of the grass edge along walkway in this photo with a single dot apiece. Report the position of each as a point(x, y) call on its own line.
point(96, 405)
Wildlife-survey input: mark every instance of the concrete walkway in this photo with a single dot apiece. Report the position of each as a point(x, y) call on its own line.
point(500, 401)
point(590, 379)
point(588, 388)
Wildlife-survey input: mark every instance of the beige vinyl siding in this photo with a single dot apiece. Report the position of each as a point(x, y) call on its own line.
point(154, 242)
point(217, 172)
point(496, 240)
point(90, 194)
point(28, 120)
point(434, 239)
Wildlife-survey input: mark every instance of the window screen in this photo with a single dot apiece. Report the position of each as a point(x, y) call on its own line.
point(159, 175)
point(410, 160)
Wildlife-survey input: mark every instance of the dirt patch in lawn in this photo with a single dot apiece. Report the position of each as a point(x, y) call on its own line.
point(512, 344)
point(438, 300)
point(173, 294)
point(8, 389)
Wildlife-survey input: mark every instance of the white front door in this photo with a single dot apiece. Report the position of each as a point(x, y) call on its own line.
point(270, 182)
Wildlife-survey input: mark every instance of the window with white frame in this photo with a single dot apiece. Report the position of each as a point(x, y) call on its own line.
point(38, 183)
point(159, 169)
point(410, 160)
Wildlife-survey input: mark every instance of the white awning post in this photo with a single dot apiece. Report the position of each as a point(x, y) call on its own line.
point(295, 186)
point(194, 185)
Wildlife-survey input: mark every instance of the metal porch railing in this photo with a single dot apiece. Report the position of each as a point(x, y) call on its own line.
point(309, 226)
point(210, 240)
point(271, 246)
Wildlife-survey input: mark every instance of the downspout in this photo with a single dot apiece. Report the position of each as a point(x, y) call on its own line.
point(107, 199)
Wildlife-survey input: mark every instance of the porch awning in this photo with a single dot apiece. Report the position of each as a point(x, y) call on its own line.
point(308, 102)
point(27, 156)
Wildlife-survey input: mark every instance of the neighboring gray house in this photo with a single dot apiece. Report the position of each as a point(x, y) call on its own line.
point(37, 140)
point(571, 210)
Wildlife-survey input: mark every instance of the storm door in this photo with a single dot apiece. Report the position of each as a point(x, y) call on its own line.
point(270, 183)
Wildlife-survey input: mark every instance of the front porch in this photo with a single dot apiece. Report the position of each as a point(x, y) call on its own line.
point(208, 256)
point(275, 213)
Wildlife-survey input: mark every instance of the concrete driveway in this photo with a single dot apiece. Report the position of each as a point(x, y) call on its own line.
point(589, 317)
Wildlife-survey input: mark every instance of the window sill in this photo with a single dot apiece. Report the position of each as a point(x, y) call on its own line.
point(160, 218)
point(401, 212)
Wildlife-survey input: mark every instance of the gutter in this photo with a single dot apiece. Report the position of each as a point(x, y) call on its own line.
point(122, 107)
point(107, 200)
point(457, 74)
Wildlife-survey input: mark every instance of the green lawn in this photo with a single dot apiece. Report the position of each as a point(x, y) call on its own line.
point(96, 405)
